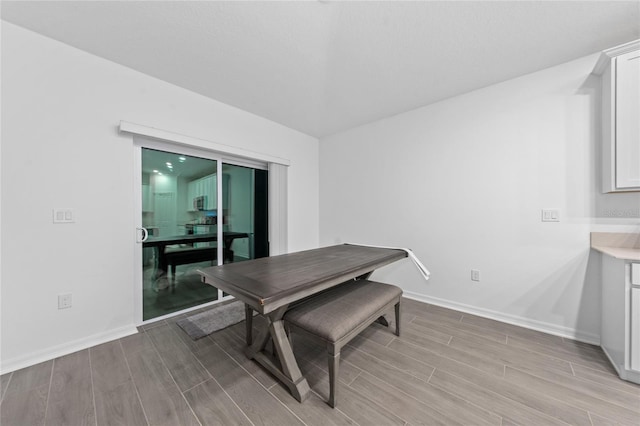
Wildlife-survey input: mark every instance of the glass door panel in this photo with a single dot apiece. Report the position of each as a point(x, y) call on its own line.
point(179, 211)
point(244, 213)
point(245, 220)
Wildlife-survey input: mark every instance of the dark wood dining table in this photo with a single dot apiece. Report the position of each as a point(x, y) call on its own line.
point(270, 285)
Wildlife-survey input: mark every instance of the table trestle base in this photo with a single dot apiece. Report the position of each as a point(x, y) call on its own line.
point(288, 371)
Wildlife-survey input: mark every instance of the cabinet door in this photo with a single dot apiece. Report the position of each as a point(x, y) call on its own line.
point(200, 188)
point(225, 192)
point(627, 148)
point(205, 192)
point(634, 346)
point(212, 199)
point(191, 194)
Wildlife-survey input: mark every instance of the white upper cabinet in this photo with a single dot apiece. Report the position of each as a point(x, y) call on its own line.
point(191, 194)
point(628, 120)
point(207, 187)
point(620, 70)
point(210, 191)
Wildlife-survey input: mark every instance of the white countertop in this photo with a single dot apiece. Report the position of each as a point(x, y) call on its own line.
point(618, 245)
point(619, 253)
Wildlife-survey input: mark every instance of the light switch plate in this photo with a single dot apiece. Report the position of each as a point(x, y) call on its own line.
point(63, 216)
point(551, 215)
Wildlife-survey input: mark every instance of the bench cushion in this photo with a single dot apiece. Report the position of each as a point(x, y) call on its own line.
point(333, 314)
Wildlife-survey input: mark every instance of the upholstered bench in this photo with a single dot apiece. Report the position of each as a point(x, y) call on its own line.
point(337, 315)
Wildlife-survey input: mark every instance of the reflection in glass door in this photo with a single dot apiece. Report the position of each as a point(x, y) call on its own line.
point(185, 207)
point(179, 211)
point(244, 193)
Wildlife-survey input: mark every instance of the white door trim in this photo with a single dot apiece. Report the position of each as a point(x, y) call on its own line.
point(278, 207)
point(277, 191)
point(177, 138)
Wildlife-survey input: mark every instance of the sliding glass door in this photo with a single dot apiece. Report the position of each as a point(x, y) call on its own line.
point(197, 212)
point(245, 194)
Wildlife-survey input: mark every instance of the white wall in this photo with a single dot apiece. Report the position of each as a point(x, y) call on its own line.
point(462, 183)
point(61, 148)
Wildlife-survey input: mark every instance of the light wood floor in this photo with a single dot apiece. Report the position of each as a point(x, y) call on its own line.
point(446, 368)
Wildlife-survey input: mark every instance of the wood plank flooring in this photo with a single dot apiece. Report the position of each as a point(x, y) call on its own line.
point(448, 368)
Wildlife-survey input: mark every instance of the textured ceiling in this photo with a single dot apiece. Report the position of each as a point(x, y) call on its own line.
point(321, 67)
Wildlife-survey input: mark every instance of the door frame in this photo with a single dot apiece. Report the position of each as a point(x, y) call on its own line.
point(143, 141)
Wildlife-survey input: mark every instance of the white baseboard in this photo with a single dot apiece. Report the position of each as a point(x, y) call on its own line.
point(544, 327)
point(9, 365)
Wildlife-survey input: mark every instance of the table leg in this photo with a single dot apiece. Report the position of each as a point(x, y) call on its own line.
point(259, 344)
point(162, 267)
point(288, 372)
point(227, 253)
point(298, 384)
point(161, 279)
point(248, 316)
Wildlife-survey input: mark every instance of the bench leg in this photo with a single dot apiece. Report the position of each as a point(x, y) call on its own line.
point(248, 316)
point(397, 308)
point(334, 364)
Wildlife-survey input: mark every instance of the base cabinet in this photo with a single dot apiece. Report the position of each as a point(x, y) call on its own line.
point(620, 323)
point(634, 356)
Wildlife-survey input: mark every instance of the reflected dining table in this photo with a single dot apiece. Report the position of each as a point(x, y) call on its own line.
point(161, 243)
point(270, 285)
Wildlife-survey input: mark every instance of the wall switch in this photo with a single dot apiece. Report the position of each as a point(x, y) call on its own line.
point(551, 215)
point(64, 301)
point(63, 216)
point(475, 275)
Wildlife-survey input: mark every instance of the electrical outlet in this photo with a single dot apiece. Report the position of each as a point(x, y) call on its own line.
point(475, 275)
point(64, 301)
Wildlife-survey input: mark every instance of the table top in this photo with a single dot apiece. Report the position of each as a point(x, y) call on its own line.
point(191, 238)
point(272, 282)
